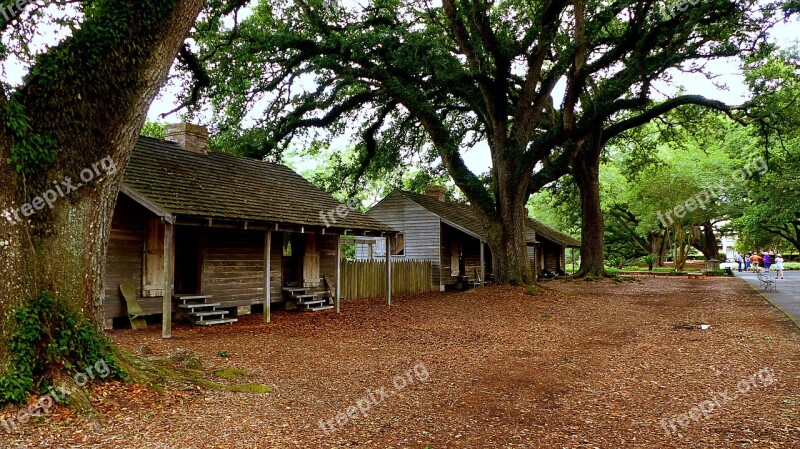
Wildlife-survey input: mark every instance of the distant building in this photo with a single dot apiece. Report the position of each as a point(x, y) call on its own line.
point(452, 237)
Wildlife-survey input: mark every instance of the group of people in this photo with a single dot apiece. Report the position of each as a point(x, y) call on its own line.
point(752, 261)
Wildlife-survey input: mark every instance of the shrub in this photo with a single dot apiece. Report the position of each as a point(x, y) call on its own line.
point(48, 334)
point(649, 260)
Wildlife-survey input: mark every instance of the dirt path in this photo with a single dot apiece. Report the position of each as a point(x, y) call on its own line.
point(582, 365)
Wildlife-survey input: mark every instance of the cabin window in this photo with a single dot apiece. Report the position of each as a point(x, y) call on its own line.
point(399, 245)
point(287, 248)
point(153, 278)
point(379, 250)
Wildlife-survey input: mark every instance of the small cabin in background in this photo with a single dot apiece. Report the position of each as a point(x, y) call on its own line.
point(452, 237)
point(232, 231)
point(549, 253)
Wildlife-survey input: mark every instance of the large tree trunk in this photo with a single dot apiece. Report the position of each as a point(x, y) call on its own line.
point(586, 171)
point(681, 249)
point(91, 96)
point(507, 228)
point(704, 239)
point(662, 249)
point(507, 242)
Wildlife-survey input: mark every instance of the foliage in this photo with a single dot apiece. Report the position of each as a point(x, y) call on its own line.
point(617, 262)
point(154, 130)
point(649, 260)
point(406, 79)
point(31, 151)
point(48, 334)
point(768, 206)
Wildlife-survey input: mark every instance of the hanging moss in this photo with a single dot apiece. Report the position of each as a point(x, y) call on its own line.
point(47, 334)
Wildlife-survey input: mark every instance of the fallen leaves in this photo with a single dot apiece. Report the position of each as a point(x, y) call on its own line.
point(577, 365)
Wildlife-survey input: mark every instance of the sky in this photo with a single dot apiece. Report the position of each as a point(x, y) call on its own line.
point(726, 72)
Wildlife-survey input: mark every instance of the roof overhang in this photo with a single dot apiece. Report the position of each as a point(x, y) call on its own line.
point(462, 229)
point(146, 203)
point(244, 223)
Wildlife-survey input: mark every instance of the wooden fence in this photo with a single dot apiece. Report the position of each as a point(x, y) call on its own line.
point(367, 278)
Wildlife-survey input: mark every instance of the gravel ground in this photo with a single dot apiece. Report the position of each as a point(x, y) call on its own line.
point(579, 365)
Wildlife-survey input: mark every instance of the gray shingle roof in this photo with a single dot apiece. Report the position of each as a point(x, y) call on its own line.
point(542, 230)
point(218, 185)
point(460, 214)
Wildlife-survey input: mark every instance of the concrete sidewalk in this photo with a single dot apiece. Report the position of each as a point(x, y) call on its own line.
point(787, 298)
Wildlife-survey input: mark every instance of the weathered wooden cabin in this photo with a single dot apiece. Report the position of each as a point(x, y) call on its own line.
point(548, 255)
point(451, 236)
point(193, 226)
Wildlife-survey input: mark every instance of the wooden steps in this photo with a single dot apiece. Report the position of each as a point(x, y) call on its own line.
point(305, 301)
point(201, 312)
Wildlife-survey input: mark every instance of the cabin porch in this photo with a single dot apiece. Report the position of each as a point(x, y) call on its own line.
point(210, 271)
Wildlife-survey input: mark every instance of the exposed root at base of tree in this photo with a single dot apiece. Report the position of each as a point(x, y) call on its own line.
point(185, 368)
point(590, 275)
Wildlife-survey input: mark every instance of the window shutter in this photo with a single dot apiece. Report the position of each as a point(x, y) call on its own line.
point(153, 276)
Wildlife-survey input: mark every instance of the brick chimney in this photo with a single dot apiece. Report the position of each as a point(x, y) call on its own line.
point(191, 137)
point(436, 192)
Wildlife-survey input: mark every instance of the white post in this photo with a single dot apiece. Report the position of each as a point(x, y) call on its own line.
point(338, 299)
point(483, 268)
point(388, 272)
point(268, 278)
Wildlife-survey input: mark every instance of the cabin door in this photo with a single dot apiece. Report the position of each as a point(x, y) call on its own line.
point(188, 260)
point(455, 253)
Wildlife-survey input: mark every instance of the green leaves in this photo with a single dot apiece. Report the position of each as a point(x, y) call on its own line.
point(31, 151)
point(46, 332)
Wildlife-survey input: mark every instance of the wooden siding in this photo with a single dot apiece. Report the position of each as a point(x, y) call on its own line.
point(276, 268)
point(420, 227)
point(470, 259)
point(553, 256)
point(326, 246)
point(124, 262)
point(233, 267)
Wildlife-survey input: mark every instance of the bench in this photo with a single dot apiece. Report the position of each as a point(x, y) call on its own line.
point(700, 275)
point(767, 282)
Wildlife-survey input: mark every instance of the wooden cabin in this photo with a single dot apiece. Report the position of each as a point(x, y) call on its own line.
point(227, 230)
point(451, 236)
point(548, 255)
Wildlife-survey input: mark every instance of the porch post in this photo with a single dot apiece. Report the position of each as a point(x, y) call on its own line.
point(268, 277)
point(338, 299)
point(169, 276)
point(483, 267)
point(388, 272)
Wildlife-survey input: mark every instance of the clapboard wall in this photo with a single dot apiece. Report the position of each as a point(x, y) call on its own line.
point(234, 265)
point(419, 226)
point(124, 258)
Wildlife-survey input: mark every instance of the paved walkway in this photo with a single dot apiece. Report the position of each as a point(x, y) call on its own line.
point(787, 298)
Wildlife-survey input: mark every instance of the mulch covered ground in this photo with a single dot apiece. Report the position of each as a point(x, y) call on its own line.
point(579, 365)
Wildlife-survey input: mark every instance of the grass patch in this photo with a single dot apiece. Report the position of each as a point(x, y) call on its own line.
point(186, 367)
point(255, 388)
point(231, 373)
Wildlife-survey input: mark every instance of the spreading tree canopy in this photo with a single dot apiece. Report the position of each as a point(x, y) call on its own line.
point(541, 83)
